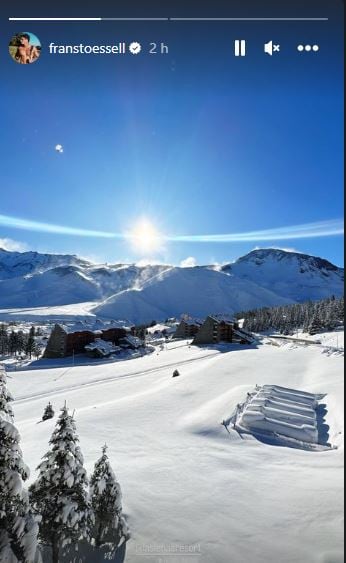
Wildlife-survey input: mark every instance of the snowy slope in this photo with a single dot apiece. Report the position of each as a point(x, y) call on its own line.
point(197, 291)
point(298, 277)
point(185, 479)
point(52, 287)
point(74, 312)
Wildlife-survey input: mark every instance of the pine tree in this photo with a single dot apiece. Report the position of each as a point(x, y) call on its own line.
point(105, 495)
point(315, 326)
point(36, 350)
point(30, 343)
point(60, 493)
point(48, 412)
point(4, 341)
point(18, 527)
point(13, 343)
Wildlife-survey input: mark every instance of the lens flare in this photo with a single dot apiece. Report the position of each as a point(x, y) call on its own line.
point(145, 237)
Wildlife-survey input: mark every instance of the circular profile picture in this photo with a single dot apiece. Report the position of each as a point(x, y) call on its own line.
point(24, 48)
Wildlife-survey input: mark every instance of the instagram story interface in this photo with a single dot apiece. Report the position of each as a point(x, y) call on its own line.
point(172, 282)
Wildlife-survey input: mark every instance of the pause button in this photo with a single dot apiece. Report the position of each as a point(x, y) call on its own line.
point(240, 47)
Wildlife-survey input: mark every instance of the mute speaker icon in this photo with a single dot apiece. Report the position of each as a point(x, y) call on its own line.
point(271, 48)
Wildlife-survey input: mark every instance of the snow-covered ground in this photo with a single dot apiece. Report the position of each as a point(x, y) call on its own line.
point(186, 481)
point(75, 311)
point(334, 338)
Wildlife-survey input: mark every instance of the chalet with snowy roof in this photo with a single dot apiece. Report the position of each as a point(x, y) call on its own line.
point(221, 328)
point(188, 328)
point(101, 349)
point(131, 342)
point(68, 340)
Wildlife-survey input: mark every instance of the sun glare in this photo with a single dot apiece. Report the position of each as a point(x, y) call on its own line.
point(145, 237)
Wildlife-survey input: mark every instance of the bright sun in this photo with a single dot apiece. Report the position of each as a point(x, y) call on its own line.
point(145, 237)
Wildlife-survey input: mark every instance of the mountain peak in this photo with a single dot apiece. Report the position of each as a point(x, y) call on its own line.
point(262, 255)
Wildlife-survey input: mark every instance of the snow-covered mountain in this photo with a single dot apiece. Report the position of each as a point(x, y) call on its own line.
point(298, 277)
point(30, 279)
point(17, 264)
point(261, 278)
point(197, 291)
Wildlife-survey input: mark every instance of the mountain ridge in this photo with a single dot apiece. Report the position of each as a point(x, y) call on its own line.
point(262, 277)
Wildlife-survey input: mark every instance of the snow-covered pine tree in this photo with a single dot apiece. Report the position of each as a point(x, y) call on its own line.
point(18, 527)
point(48, 412)
point(105, 495)
point(60, 492)
point(4, 341)
point(13, 343)
point(29, 345)
point(316, 325)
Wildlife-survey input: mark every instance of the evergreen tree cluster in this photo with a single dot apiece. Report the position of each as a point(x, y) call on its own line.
point(311, 317)
point(14, 343)
point(60, 508)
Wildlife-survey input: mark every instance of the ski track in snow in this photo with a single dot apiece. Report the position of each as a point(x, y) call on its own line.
point(105, 381)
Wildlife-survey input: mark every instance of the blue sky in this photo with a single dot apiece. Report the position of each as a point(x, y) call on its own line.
point(197, 142)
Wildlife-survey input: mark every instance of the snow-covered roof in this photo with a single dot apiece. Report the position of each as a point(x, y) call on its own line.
point(223, 318)
point(244, 335)
point(159, 328)
point(193, 322)
point(132, 340)
point(102, 346)
point(96, 327)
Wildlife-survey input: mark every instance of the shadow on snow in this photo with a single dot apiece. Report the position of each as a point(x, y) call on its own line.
point(88, 554)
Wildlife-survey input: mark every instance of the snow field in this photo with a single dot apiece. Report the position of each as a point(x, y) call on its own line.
point(185, 479)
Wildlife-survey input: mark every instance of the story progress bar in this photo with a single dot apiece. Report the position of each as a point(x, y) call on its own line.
point(58, 19)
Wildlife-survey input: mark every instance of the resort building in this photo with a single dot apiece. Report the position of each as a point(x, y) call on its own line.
point(221, 328)
point(188, 328)
point(66, 340)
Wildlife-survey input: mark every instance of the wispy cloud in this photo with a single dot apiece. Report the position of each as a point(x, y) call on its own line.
point(328, 228)
point(12, 245)
point(308, 230)
point(189, 262)
point(37, 226)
